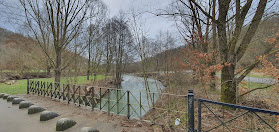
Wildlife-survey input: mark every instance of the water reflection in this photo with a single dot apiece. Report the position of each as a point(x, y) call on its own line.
point(140, 100)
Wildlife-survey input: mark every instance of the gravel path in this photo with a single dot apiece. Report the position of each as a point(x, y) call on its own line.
point(14, 119)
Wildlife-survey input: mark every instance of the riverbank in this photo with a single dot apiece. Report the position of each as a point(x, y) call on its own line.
point(19, 87)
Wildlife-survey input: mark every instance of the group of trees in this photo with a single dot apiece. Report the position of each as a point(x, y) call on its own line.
point(217, 35)
point(73, 32)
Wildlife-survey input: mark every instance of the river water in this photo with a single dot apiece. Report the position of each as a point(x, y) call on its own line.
point(117, 100)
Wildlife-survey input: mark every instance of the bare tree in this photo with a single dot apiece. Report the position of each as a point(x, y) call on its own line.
point(119, 39)
point(98, 12)
point(142, 47)
point(57, 20)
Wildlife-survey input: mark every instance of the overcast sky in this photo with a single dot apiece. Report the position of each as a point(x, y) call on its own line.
point(153, 23)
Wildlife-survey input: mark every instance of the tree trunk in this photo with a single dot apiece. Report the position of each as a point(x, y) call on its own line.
point(214, 41)
point(48, 70)
point(89, 61)
point(228, 85)
point(58, 66)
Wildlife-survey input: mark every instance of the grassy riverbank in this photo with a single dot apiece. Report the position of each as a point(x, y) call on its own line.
point(20, 86)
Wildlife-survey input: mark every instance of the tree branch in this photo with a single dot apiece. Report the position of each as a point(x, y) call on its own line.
point(204, 12)
point(268, 86)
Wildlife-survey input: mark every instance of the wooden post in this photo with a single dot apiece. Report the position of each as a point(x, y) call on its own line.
point(117, 101)
point(51, 91)
point(92, 98)
point(128, 104)
point(108, 101)
point(69, 97)
point(28, 86)
point(78, 95)
point(74, 94)
point(44, 89)
point(153, 107)
point(85, 97)
point(140, 107)
point(100, 99)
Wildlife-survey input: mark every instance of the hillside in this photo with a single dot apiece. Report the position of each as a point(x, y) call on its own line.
point(4, 34)
point(19, 53)
point(22, 54)
point(267, 29)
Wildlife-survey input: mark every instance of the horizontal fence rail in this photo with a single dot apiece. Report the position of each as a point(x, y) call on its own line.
point(172, 112)
point(240, 118)
point(155, 107)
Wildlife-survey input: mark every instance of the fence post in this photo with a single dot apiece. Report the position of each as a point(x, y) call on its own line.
point(78, 95)
point(68, 94)
point(153, 107)
point(108, 101)
point(199, 115)
point(51, 94)
point(128, 104)
point(28, 86)
point(191, 120)
point(117, 101)
point(38, 87)
point(100, 98)
point(92, 98)
point(140, 108)
point(44, 89)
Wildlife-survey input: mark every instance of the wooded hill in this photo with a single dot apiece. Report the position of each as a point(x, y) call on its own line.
point(171, 59)
point(22, 54)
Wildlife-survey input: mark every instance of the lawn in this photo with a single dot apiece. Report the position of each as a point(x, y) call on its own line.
point(20, 87)
point(253, 85)
point(253, 74)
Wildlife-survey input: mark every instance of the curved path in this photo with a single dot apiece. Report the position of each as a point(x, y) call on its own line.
point(17, 120)
point(13, 119)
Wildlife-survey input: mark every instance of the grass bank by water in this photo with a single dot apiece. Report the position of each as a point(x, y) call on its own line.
point(20, 86)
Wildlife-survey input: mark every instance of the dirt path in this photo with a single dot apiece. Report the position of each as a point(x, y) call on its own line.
point(14, 119)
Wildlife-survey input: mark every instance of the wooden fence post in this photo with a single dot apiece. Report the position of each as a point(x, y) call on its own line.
point(28, 86)
point(92, 98)
point(128, 104)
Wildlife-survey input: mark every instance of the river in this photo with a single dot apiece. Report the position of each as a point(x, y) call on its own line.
point(137, 96)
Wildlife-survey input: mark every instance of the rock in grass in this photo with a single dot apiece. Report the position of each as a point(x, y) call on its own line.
point(1, 95)
point(64, 123)
point(35, 109)
point(24, 104)
point(5, 96)
point(10, 98)
point(47, 115)
point(17, 100)
point(89, 129)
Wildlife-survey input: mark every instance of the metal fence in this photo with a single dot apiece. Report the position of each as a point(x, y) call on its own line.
point(219, 116)
point(155, 107)
point(173, 112)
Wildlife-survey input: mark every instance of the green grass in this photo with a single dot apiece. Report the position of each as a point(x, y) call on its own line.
point(258, 76)
point(20, 87)
point(253, 85)
point(251, 75)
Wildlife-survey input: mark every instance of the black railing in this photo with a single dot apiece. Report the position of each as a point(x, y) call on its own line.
point(237, 111)
point(162, 108)
point(132, 104)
